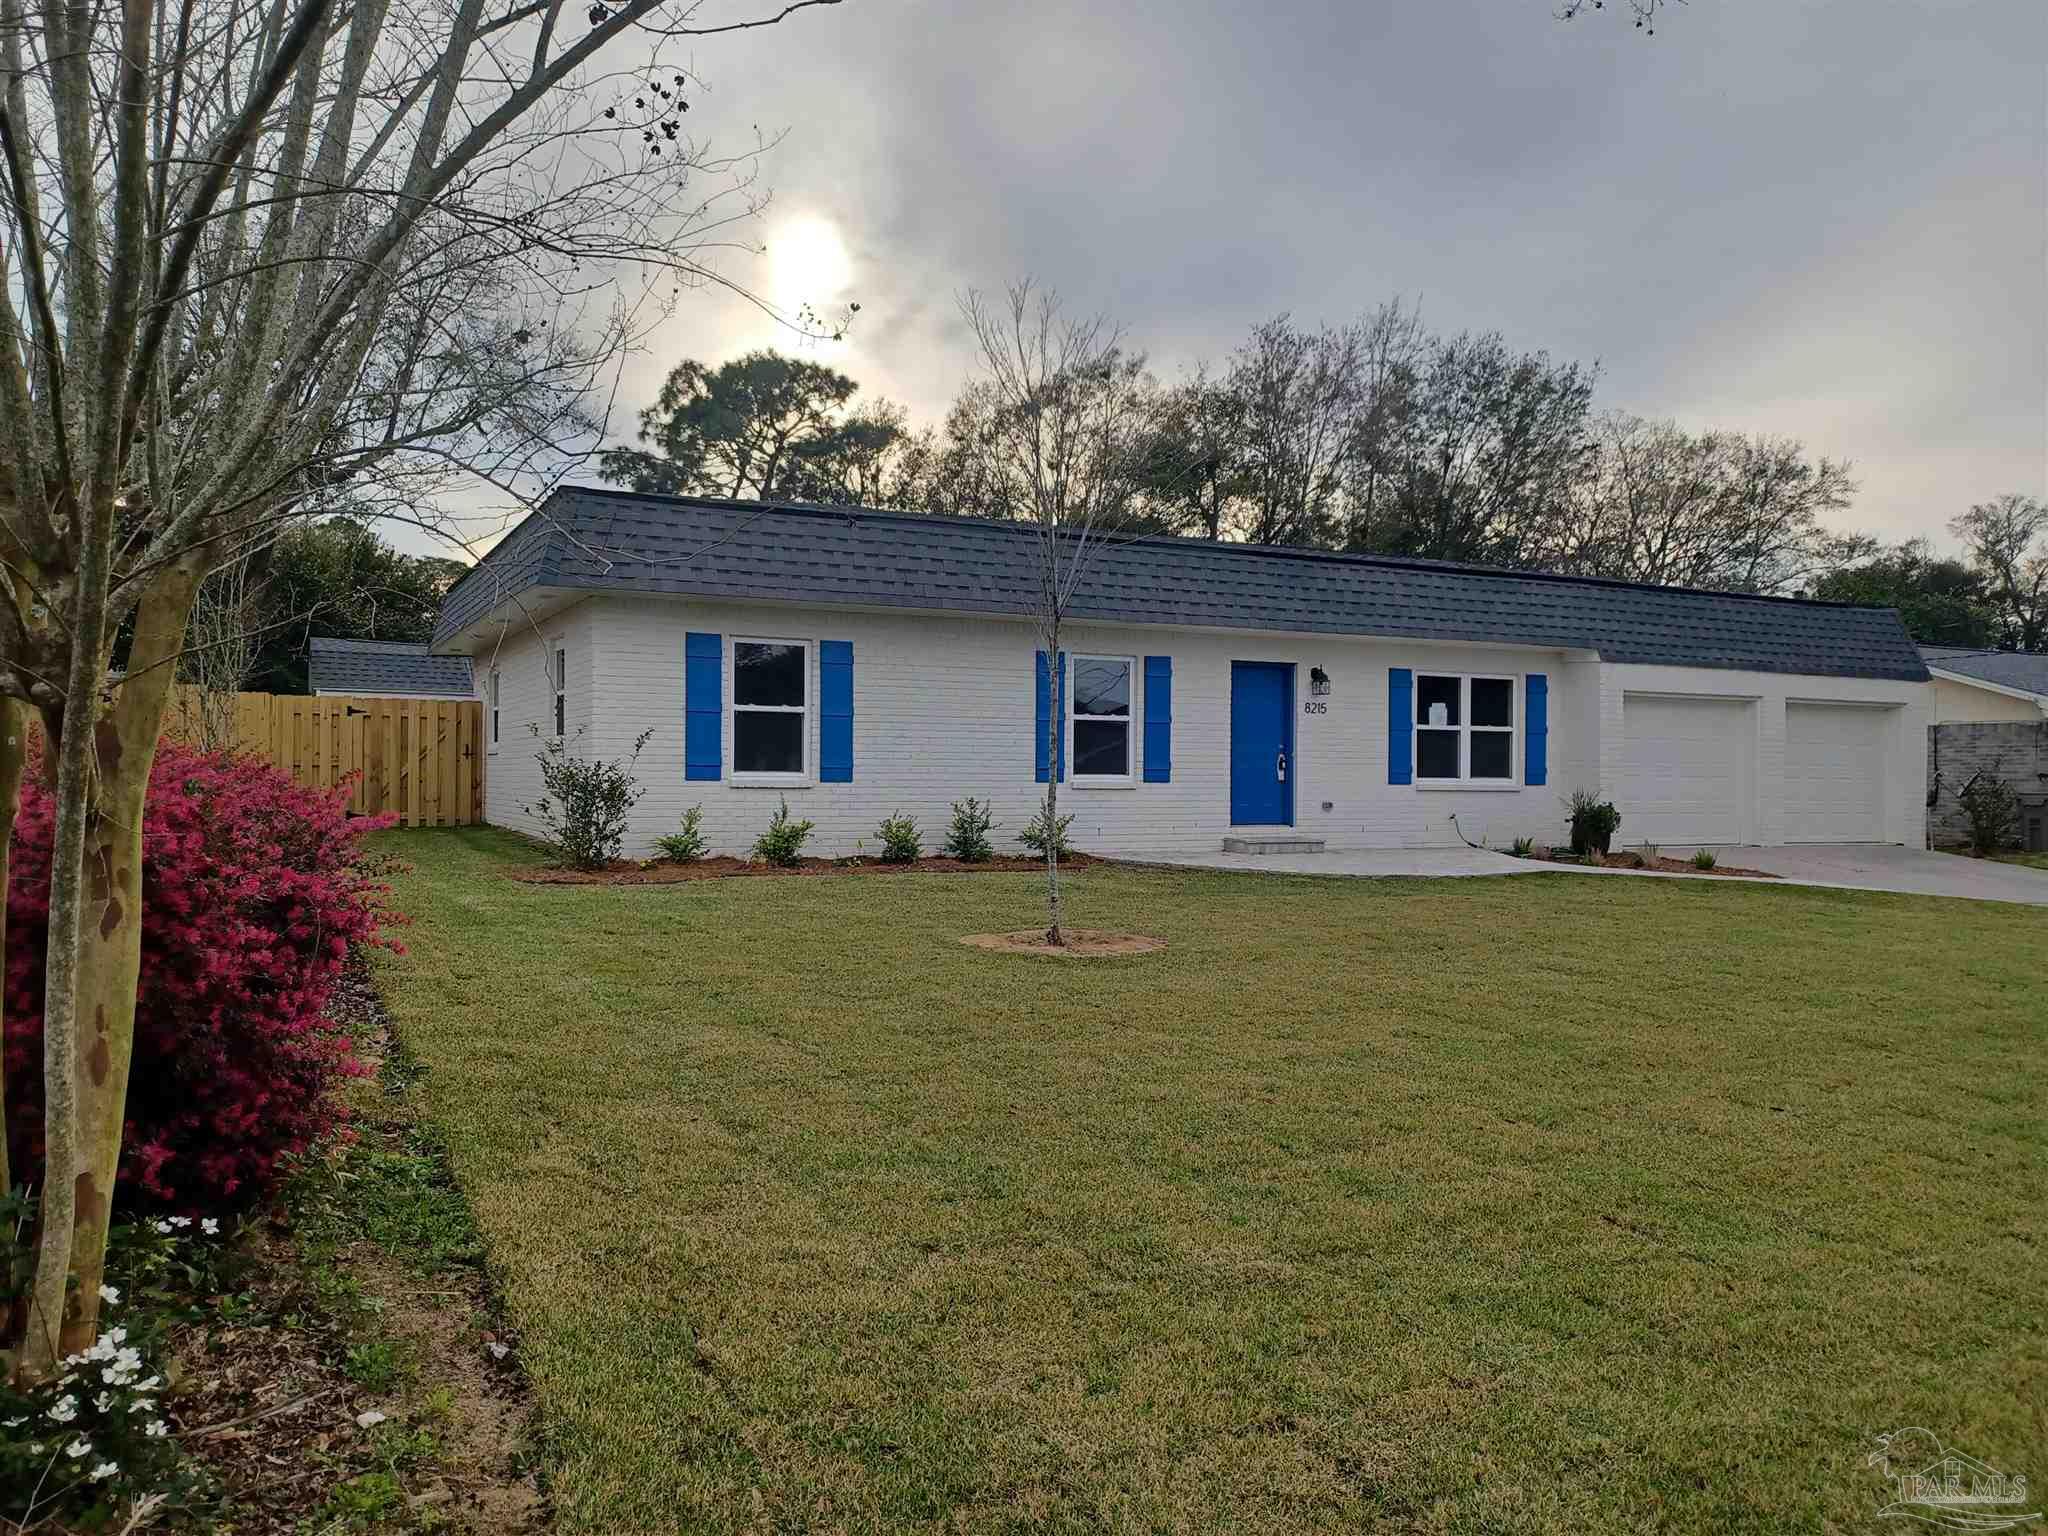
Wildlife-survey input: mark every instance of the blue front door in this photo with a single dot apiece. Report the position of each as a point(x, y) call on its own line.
point(1261, 744)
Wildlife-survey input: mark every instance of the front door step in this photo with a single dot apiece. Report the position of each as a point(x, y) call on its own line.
point(1272, 845)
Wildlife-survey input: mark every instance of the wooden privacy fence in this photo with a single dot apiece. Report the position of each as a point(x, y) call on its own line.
point(422, 758)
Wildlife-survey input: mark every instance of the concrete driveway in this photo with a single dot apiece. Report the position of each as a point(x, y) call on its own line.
point(1845, 866)
point(1883, 867)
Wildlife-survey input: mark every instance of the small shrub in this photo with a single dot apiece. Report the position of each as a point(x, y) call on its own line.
point(1034, 835)
point(1994, 811)
point(588, 801)
point(1648, 852)
point(1703, 858)
point(1523, 848)
point(784, 840)
point(255, 889)
point(686, 846)
point(901, 843)
point(967, 839)
point(1593, 822)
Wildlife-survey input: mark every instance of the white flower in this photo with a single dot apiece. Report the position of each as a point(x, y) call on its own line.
point(156, 1429)
point(111, 1295)
point(150, 1385)
point(161, 1226)
point(210, 1227)
point(78, 1448)
point(181, 1221)
point(103, 1471)
point(64, 1410)
point(15, 1423)
point(103, 1402)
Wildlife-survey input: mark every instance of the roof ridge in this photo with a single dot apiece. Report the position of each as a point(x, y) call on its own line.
point(850, 511)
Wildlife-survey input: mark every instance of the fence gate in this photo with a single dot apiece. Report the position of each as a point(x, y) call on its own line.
point(418, 757)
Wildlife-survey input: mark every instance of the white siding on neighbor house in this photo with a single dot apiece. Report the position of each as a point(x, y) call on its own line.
point(944, 708)
point(1956, 702)
point(1762, 699)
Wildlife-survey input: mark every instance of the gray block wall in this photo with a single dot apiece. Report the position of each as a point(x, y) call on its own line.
point(2016, 750)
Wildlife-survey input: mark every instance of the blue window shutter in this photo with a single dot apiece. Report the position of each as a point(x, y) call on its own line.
point(1400, 725)
point(835, 708)
point(1536, 768)
point(1047, 710)
point(703, 706)
point(1158, 719)
point(1060, 713)
point(1042, 719)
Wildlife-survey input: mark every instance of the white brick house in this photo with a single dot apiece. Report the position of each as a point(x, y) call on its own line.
point(863, 663)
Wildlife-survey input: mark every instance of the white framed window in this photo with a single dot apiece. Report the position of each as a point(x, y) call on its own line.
point(493, 691)
point(1100, 691)
point(771, 711)
point(1465, 728)
point(561, 691)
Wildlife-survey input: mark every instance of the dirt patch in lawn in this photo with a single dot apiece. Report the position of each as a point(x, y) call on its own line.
point(725, 867)
point(1082, 943)
point(1629, 859)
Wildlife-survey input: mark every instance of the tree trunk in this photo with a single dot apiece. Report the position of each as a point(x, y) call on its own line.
point(95, 961)
point(1054, 726)
point(13, 760)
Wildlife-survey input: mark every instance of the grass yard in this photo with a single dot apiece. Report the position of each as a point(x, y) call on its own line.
point(1531, 1204)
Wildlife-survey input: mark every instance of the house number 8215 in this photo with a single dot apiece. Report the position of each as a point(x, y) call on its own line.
point(1315, 707)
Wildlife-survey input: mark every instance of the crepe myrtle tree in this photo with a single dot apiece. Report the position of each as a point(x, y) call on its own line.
point(1065, 416)
point(257, 256)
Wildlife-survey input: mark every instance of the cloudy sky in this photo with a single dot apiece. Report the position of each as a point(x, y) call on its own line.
point(1823, 218)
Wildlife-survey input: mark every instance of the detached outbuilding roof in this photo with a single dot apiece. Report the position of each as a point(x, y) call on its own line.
point(2026, 671)
point(588, 540)
point(402, 667)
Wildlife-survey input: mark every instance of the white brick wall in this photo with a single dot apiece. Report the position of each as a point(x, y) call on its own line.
point(943, 708)
point(526, 709)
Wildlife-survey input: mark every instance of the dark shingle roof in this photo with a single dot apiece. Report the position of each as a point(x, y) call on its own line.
point(618, 541)
point(384, 666)
point(2024, 670)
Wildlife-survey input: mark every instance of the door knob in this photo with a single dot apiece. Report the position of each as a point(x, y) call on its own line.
point(1280, 767)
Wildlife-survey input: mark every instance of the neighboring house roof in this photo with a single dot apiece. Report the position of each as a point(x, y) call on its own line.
point(618, 541)
point(402, 667)
point(2019, 671)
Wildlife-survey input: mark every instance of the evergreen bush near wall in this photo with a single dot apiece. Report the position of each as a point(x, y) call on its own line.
point(1994, 811)
point(901, 843)
point(686, 846)
point(784, 840)
point(587, 803)
point(1034, 835)
point(967, 838)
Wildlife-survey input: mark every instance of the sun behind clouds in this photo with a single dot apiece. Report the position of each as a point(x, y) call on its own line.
point(807, 264)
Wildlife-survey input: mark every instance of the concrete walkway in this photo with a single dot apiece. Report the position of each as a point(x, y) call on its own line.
point(1839, 866)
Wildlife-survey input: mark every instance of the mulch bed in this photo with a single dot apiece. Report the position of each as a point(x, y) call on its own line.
point(1628, 859)
point(1081, 943)
point(263, 1400)
point(725, 867)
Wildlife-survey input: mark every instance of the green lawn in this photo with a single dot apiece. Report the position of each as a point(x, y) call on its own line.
point(1530, 1204)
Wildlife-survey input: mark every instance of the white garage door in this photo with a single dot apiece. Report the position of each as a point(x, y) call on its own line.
point(1686, 770)
point(1835, 758)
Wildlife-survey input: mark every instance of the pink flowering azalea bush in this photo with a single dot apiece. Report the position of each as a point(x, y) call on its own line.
point(254, 889)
